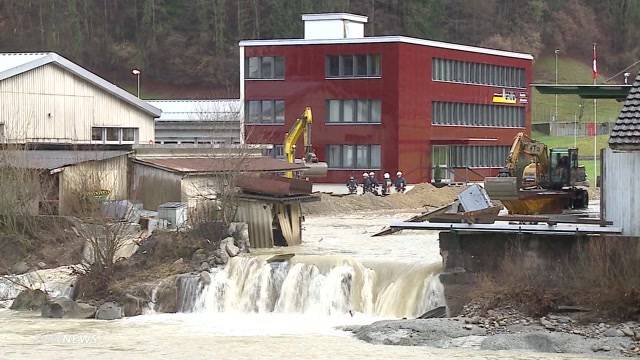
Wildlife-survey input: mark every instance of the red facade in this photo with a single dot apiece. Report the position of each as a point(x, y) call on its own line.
point(406, 90)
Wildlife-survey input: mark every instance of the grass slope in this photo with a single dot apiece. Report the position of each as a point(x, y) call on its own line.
point(570, 71)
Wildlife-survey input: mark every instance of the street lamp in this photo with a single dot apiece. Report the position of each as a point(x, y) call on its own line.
point(136, 72)
point(557, 51)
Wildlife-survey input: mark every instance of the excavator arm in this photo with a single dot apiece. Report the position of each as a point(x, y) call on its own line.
point(302, 127)
point(524, 149)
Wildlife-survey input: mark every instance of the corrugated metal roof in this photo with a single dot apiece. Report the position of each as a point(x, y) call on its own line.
point(219, 164)
point(53, 159)
point(12, 64)
point(198, 110)
point(626, 132)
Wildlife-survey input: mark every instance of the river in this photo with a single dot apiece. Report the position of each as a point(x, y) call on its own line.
point(258, 310)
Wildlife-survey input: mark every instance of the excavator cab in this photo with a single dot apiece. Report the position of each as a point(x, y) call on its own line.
point(563, 168)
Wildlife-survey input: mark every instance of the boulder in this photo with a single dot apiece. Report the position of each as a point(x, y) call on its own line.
point(62, 307)
point(19, 268)
point(42, 265)
point(220, 257)
point(205, 266)
point(133, 305)
point(627, 331)
point(109, 311)
point(29, 300)
point(205, 278)
point(228, 245)
point(178, 262)
point(613, 332)
point(167, 296)
point(240, 232)
point(199, 256)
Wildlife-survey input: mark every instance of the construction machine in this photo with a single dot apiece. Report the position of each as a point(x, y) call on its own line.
point(536, 180)
point(302, 127)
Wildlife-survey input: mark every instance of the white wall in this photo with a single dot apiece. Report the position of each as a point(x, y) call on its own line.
point(49, 104)
point(621, 190)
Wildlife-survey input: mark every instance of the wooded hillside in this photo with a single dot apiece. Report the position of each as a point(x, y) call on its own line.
point(194, 42)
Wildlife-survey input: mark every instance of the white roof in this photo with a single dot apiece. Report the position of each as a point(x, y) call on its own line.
point(387, 39)
point(198, 110)
point(334, 16)
point(12, 64)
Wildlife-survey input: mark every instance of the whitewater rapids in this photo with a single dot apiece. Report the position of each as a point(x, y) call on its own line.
point(320, 285)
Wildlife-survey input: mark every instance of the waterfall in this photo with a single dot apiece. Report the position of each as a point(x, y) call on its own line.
point(322, 285)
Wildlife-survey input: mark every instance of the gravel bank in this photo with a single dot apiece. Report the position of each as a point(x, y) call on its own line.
point(456, 332)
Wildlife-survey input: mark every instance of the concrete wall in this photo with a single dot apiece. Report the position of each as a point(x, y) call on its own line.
point(49, 104)
point(469, 256)
point(621, 190)
point(153, 186)
point(111, 174)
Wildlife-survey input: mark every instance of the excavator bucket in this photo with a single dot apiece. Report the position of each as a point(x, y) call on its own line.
point(316, 169)
point(502, 188)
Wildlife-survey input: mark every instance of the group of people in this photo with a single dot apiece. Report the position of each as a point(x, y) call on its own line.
point(371, 185)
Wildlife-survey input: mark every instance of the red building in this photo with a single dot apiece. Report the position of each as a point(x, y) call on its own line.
point(386, 103)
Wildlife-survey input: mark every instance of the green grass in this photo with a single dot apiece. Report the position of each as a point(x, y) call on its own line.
point(590, 169)
point(585, 149)
point(570, 71)
point(584, 143)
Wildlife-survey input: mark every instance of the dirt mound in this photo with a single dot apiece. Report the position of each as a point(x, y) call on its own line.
point(54, 243)
point(422, 195)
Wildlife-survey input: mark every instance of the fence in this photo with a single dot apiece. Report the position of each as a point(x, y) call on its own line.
point(573, 129)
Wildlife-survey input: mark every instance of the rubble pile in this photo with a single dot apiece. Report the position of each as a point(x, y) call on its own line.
point(420, 196)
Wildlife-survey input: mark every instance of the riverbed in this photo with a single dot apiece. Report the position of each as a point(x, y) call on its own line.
point(249, 322)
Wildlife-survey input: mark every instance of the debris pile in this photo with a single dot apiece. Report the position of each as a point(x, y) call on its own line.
point(421, 196)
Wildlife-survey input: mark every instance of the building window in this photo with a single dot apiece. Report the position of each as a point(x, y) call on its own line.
point(354, 111)
point(474, 73)
point(276, 152)
point(264, 67)
point(354, 156)
point(460, 114)
point(462, 156)
point(361, 65)
point(97, 134)
point(265, 112)
point(114, 135)
point(129, 134)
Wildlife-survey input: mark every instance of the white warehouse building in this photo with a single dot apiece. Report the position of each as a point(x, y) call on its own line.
point(198, 121)
point(47, 99)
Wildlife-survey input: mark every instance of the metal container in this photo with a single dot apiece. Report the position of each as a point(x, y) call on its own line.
point(173, 212)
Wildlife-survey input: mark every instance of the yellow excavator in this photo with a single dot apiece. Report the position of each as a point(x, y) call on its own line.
point(536, 180)
point(302, 127)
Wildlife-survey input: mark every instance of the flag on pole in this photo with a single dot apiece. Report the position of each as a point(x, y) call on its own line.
point(595, 65)
point(595, 118)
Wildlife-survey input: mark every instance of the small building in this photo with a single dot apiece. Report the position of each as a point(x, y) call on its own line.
point(47, 100)
point(62, 177)
point(620, 200)
point(386, 103)
point(194, 180)
point(198, 121)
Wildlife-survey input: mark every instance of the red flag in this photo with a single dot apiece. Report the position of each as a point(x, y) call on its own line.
point(595, 66)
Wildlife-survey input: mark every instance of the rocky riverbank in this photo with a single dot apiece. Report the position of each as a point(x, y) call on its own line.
point(150, 280)
point(508, 329)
